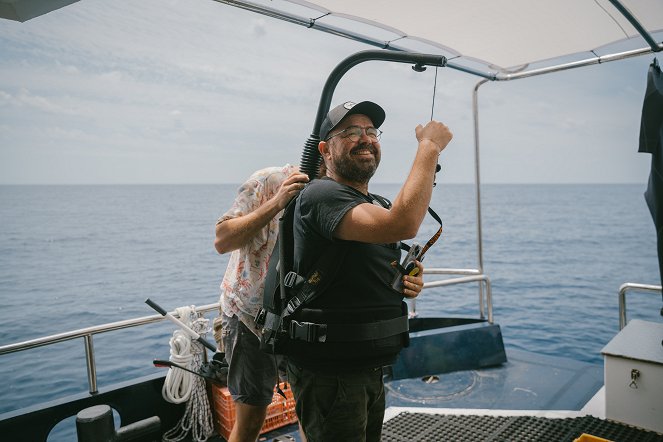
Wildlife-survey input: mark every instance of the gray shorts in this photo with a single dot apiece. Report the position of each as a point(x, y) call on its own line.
point(252, 373)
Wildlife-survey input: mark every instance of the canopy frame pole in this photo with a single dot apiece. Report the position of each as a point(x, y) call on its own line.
point(477, 178)
point(637, 25)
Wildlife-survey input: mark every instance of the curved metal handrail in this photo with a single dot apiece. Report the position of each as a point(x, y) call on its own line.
point(622, 297)
point(94, 330)
point(473, 275)
point(87, 333)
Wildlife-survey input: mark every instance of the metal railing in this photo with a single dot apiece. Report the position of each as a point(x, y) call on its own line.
point(469, 276)
point(87, 334)
point(631, 286)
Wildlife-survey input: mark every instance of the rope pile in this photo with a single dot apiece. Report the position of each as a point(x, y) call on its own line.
point(181, 386)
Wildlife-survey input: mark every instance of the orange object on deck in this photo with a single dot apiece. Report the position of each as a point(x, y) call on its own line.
point(280, 412)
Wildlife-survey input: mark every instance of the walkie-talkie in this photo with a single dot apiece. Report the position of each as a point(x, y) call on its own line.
point(408, 267)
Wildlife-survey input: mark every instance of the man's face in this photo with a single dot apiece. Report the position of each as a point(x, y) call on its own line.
point(355, 161)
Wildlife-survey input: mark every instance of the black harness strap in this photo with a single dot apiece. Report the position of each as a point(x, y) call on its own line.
point(305, 290)
point(312, 332)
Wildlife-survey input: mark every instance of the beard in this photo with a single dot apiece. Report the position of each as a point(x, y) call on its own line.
point(355, 168)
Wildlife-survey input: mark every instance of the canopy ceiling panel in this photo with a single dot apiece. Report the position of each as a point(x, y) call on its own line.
point(503, 34)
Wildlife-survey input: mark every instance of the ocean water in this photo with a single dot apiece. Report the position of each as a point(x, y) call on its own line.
point(78, 256)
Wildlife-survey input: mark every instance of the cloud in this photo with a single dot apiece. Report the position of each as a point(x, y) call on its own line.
point(25, 99)
point(42, 104)
point(225, 91)
point(5, 98)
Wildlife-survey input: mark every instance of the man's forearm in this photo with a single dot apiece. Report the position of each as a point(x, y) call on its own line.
point(412, 201)
point(234, 233)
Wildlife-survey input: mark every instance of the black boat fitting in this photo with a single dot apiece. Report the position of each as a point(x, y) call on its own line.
point(95, 424)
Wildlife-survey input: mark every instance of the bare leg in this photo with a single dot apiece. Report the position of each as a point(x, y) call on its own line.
point(248, 422)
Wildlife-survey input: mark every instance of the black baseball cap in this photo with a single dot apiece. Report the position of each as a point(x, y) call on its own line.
point(334, 116)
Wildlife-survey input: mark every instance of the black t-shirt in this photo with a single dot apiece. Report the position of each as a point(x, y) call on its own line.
point(361, 290)
point(365, 275)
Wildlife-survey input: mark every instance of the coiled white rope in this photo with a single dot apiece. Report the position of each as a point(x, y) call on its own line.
point(179, 383)
point(181, 386)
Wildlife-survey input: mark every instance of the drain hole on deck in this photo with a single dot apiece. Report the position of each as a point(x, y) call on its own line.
point(431, 389)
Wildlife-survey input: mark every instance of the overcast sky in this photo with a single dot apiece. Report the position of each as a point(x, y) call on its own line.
point(193, 91)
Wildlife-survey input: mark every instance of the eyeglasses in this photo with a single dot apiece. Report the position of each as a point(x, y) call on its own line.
point(354, 133)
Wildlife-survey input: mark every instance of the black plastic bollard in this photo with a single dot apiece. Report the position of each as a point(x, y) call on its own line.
point(139, 430)
point(95, 424)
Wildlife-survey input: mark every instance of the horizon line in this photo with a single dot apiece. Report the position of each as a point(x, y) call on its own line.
point(375, 183)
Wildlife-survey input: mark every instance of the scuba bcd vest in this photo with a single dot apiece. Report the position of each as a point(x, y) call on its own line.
point(287, 294)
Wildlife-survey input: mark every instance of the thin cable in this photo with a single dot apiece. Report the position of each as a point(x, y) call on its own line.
point(432, 109)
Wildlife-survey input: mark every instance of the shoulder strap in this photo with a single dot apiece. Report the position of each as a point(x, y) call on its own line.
point(286, 244)
point(272, 282)
point(275, 295)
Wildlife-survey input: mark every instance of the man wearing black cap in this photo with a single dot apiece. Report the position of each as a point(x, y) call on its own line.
point(337, 377)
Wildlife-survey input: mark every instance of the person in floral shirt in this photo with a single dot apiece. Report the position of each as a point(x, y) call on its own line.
point(249, 230)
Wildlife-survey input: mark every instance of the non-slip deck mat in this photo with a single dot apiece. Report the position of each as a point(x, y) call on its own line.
point(422, 427)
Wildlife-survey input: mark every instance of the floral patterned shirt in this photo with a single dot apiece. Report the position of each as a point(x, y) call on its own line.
point(244, 280)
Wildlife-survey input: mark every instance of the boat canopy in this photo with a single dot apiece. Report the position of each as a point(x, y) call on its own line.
point(494, 39)
point(23, 10)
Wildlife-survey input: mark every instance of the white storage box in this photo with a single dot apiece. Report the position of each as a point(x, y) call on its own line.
point(633, 364)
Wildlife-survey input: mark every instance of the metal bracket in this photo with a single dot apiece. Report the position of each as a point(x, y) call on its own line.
point(635, 374)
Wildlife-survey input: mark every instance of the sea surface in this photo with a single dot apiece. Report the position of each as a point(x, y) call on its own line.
point(79, 256)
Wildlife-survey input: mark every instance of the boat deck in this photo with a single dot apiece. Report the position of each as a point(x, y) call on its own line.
point(527, 381)
point(420, 425)
point(408, 426)
point(515, 401)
